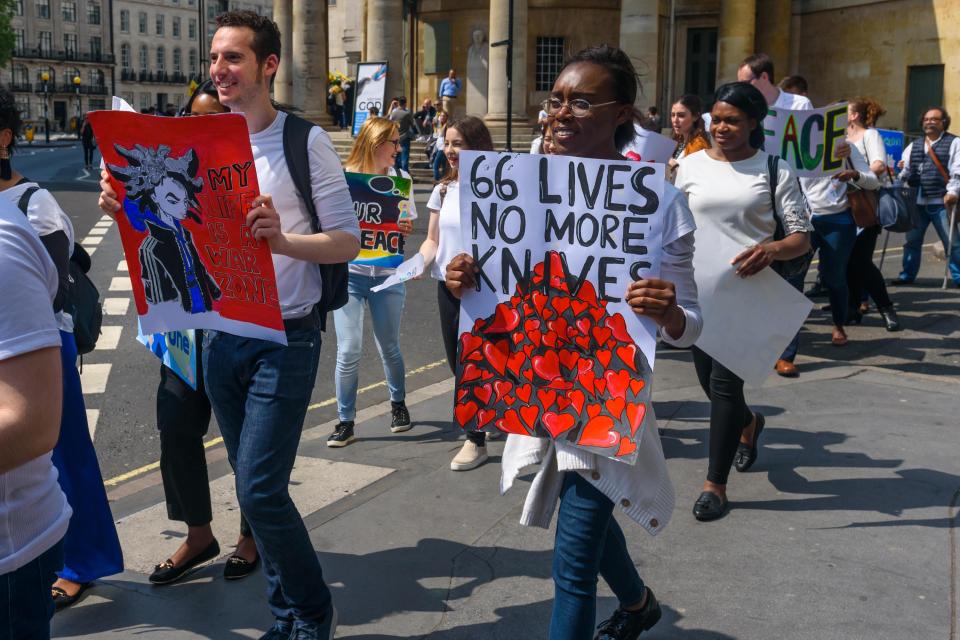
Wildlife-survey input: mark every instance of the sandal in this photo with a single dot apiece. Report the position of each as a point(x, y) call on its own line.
point(746, 453)
point(62, 599)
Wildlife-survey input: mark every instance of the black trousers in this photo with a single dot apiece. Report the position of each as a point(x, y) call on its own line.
point(183, 418)
point(88, 155)
point(729, 413)
point(449, 306)
point(863, 274)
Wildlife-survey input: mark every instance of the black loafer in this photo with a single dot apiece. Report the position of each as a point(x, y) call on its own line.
point(167, 573)
point(62, 600)
point(747, 454)
point(238, 567)
point(627, 625)
point(709, 506)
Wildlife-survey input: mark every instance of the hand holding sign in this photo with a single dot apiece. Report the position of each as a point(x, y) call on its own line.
point(462, 272)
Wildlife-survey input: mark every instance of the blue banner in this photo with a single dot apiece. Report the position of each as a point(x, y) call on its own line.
point(894, 143)
point(177, 350)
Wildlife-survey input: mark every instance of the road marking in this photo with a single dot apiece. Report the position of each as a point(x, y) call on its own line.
point(116, 306)
point(106, 218)
point(90, 250)
point(377, 385)
point(121, 284)
point(98, 231)
point(93, 377)
point(93, 415)
point(122, 266)
point(109, 338)
point(86, 174)
point(103, 224)
point(91, 241)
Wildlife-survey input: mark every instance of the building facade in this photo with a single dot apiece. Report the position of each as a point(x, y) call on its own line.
point(62, 62)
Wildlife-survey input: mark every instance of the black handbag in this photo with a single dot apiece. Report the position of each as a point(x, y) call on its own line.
point(897, 208)
point(794, 266)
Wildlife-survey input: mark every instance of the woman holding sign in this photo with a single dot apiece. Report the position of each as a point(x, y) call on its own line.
point(592, 114)
point(729, 190)
point(374, 152)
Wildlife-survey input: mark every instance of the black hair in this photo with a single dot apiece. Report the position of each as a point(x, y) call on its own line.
point(402, 100)
point(747, 98)
point(206, 87)
point(759, 63)
point(625, 82)
point(266, 34)
point(943, 112)
point(794, 84)
point(9, 115)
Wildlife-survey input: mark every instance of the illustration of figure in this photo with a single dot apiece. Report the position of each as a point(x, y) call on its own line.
point(160, 194)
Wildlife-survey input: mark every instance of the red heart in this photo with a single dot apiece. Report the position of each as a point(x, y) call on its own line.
point(470, 344)
point(547, 366)
point(535, 336)
point(561, 304)
point(617, 383)
point(486, 375)
point(599, 386)
point(528, 374)
point(558, 326)
point(601, 335)
point(518, 337)
point(529, 415)
point(515, 361)
point(483, 393)
point(587, 379)
point(563, 401)
point(509, 400)
point(461, 394)
point(579, 306)
point(531, 324)
point(635, 414)
point(464, 412)
point(615, 407)
point(550, 339)
point(505, 320)
point(587, 292)
point(557, 423)
point(510, 423)
point(636, 386)
point(546, 398)
point(484, 416)
point(539, 301)
point(476, 356)
point(618, 325)
point(603, 357)
point(560, 383)
point(598, 313)
point(496, 354)
point(628, 353)
point(569, 359)
point(502, 387)
point(583, 342)
point(524, 391)
point(470, 372)
point(599, 433)
point(577, 399)
point(627, 446)
point(593, 410)
point(584, 325)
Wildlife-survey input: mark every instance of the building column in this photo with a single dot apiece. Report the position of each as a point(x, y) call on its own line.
point(497, 86)
point(384, 43)
point(283, 16)
point(736, 38)
point(640, 39)
point(309, 43)
point(774, 21)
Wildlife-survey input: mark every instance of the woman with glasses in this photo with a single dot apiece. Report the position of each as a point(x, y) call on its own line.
point(374, 152)
point(592, 116)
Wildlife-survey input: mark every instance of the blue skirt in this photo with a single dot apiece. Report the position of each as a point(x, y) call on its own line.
point(91, 548)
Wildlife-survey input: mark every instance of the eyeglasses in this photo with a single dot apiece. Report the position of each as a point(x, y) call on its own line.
point(578, 106)
point(395, 143)
point(933, 119)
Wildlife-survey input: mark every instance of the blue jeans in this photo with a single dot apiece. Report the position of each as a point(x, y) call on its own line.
point(835, 235)
point(25, 593)
point(386, 308)
point(403, 158)
point(913, 249)
point(439, 165)
point(259, 392)
point(796, 281)
point(589, 542)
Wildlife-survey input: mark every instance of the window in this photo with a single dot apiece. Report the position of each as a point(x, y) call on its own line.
point(23, 106)
point(144, 58)
point(160, 28)
point(95, 77)
point(20, 75)
point(161, 61)
point(177, 61)
point(192, 29)
point(46, 42)
point(18, 7)
point(96, 47)
point(43, 9)
point(701, 64)
point(125, 56)
point(924, 89)
point(52, 80)
point(175, 27)
point(18, 41)
point(70, 45)
point(144, 101)
point(143, 22)
point(549, 61)
point(70, 74)
point(93, 11)
point(193, 62)
point(124, 21)
point(68, 9)
point(98, 104)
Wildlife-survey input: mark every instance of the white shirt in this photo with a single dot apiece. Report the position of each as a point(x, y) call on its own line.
point(375, 271)
point(827, 196)
point(953, 168)
point(34, 513)
point(451, 244)
point(298, 281)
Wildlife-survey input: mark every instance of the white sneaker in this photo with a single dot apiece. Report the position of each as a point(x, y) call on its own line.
point(469, 457)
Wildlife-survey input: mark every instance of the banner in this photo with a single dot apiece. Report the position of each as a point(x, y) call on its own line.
point(894, 143)
point(177, 350)
point(371, 91)
point(548, 345)
point(649, 146)
point(380, 202)
point(185, 185)
point(806, 140)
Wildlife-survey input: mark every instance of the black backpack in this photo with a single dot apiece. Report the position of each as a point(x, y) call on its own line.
point(296, 133)
point(83, 301)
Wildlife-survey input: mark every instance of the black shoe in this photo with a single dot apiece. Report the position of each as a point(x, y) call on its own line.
point(342, 434)
point(61, 600)
point(400, 421)
point(237, 567)
point(890, 319)
point(167, 573)
point(747, 454)
point(281, 630)
point(854, 316)
point(709, 506)
point(627, 625)
point(900, 282)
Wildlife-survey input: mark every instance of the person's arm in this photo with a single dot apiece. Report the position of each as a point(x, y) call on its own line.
point(953, 166)
point(30, 406)
point(861, 175)
point(904, 164)
point(876, 152)
point(432, 242)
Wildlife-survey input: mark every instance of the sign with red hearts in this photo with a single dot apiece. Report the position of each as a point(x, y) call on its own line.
point(548, 346)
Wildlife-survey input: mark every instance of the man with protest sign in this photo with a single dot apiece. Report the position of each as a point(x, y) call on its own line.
point(934, 170)
point(260, 390)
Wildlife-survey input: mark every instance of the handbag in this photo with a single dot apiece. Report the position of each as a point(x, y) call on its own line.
point(897, 208)
point(863, 204)
point(794, 267)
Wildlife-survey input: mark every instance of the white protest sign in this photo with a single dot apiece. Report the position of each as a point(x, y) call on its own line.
point(548, 345)
point(650, 146)
point(807, 140)
point(407, 270)
point(371, 87)
point(747, 322)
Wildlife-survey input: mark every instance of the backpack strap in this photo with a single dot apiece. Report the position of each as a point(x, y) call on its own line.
point(24, 203)
point(296, 136)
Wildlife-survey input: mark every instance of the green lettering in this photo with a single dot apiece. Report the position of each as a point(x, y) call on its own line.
point(811, 162)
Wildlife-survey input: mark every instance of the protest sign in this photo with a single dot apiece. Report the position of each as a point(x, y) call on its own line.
point(807, 140)
point(649, 146)
point(893, 142)
point(380, 202)
point(177, 350)
point(186, 185)
point(548, 345)
point(409, 270)
point(371, 89)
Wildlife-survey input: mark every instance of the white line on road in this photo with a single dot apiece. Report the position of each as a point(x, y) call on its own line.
point(105, 224)
point(93, 377)
point(109, 338)
point(86, 174)
point(121, 284)
point(116, 306)
point(106, 218)
point(91, 241)
point(93, 415)
point(98, 231)
point(122, 266)
point(90, 250)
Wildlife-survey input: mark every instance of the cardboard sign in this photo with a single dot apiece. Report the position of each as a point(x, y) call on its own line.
point(380, 202)
point(186, 185)
point(177, 350)
point(807, 140)
point(894, 143)
point(371, 89)
point(548, 345)
point(649, 146)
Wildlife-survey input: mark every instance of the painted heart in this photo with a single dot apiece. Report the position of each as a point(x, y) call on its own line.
point(628, 353)
point(502, 388)
point(601, 335)
point(598, 313)
point(476, 356)
point(636, 386)
point(563, 401)
point(461, 394)
point(599, 386)
point(515, 361)
point(618, 325)
point(599, 432)
point(505, 320)
point(561, 304)
point(569, 359)
point(577, 398)
point(486, 375)
point(593, 410)
point(484, 416)
point(587, 379)
point(510, 423)
point(578, 306)
point(617, 383)
point(558, 326)
point(627, 446)
point(465, 412)
point(470, 343)
point(524, 391)
point(635, 415)
point(517, 337)
point(615, 407)
point(583, 366)
point(510, 400)
point(557, 423)
point(483, 393)
point(539, 301)
point(531, 324)
point(528, 374)
point(604, 356)
point(547, 366)
point(588, 293)
point(496, 354)
point(529, 414)
point(535, 336)
point(470, 372)
point(546, 398)
point(583, 342)
point(583, 324)
point(550, 339)
point(560, 384)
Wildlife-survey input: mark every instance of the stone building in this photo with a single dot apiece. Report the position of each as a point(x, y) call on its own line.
point(69, 42)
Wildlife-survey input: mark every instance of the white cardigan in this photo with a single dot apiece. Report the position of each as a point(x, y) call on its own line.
point(643, 490)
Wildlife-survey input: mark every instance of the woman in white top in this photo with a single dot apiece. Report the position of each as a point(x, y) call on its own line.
point(442, 243)
point(592, 114)
point(374, 152)
point(728, 188)
point(863, 276)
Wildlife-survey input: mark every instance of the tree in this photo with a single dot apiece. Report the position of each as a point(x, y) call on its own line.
point(6, 32)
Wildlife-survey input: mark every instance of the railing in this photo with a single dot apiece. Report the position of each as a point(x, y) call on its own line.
point(60, 89)
point(129, 75)
point(62, 55)
point(21, 86)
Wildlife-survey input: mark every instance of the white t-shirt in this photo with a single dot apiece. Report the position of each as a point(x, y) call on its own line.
point(34, 513)
point(298, 281)
point(382, 272)
point(451, 244)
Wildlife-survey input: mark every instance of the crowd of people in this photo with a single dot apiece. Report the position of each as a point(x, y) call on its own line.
point(723, 188)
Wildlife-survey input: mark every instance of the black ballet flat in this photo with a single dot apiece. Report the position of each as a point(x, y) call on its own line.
point(890, 319)
point(747, 454)
point(167, 573)
point(237, 567)
point(62, 600)
point(709, 506)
